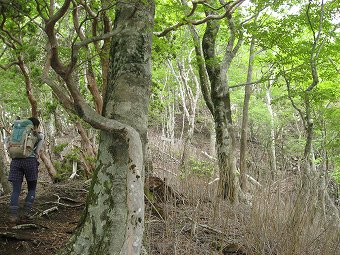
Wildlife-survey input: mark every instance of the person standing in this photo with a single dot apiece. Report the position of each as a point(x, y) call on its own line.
point(28, 167)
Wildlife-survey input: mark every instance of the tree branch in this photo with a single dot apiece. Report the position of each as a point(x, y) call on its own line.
point(40, 11)
point(334, 64)
point(50, 32)
point(5, 67)
point(58, 91)
point(7, 32)
point(58, 15)
point(314, 53)
point(185, 21)
point(85, 42)
point(292, 100)
point(202, 70)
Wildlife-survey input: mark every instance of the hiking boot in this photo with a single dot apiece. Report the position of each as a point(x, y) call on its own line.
point(13, 214)
point(27, 217)
point(28, 212)
point(13, 219)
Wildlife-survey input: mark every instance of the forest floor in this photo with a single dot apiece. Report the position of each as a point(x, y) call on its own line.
point(58, 208)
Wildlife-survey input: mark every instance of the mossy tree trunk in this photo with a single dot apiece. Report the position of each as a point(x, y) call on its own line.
point(215, 90)
point(113, 221)
point(220, 99)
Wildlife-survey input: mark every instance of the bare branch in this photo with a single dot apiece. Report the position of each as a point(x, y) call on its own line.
point(40, 11)
point(185, 21)
point(292, 100)
point(57, 16)
point(314, 53)
point(253, 16)
point(58, 90)
point(169, 29)
point(204, 2)
point(6, 67)
point(335, 65)
point(246, 84)
point(7, 32)
point(76, 22)
point(202, 70)
point(9, 44)
point(88, 9)
point(87, 41)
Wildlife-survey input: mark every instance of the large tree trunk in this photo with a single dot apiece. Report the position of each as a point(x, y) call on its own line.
point(113, 221)
point(220, 98)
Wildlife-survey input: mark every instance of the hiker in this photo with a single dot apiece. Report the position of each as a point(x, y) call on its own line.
point(24, 163)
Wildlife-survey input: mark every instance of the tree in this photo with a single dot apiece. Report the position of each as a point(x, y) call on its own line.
point(114, 216)
point(3, 166)
point(14, 39)
point(215, 90)
point(15, 31)
point(244, 128)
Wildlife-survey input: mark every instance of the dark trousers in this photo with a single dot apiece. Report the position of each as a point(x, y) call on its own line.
point(16, 189)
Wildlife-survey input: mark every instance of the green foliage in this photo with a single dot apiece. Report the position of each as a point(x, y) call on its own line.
point(282, 33)
point(73, 155)
point(59, 148)
point(12, 93)
point(201, 168)
point(90, 159)
point(63, 170)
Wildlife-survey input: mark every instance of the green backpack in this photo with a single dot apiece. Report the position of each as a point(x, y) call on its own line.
point(22, 140)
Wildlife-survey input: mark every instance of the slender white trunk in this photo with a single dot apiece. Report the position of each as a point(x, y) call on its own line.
point(272, 150)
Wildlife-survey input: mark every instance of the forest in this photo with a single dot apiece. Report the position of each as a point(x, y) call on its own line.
point(175, 127)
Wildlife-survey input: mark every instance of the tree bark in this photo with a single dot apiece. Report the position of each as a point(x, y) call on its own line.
point(3, 168)
point(272, 150)
point(28, 84)
point(220, 97)
point(245, 117)
point(86, 146)
point(215, 91)
point(113, 222)
point(48, 164)
point(189, 104)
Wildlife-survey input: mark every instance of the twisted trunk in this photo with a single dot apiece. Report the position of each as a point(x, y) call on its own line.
point(113, 222)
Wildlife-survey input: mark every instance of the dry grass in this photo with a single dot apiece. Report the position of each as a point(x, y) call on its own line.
point(281, 218)
point(290, 223)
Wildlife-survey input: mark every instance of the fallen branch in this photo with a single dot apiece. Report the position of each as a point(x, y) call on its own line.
point(63, 204)
point(11, 235)
point(154, 207)
point(69, 199)
point(46, 212)
point(207, 227)
point(26, 226)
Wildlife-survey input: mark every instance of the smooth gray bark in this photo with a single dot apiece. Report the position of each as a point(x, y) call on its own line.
point(272, 143)
point(113, 222)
